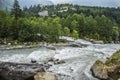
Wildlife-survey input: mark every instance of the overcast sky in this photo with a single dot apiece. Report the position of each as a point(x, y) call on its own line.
point(102, 3)
point(60, 1)
point(64, 1)
point(110, 3)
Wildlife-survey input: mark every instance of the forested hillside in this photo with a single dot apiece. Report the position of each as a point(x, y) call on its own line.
point(63, 10)
point(96, 23)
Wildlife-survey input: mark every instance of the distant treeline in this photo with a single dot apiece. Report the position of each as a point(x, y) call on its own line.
point(54, 10)
point(29, 27)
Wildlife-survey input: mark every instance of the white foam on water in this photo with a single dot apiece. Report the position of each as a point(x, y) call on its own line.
point(41, 55)
point(80, 60)
point(81, 41)
point(13, 58)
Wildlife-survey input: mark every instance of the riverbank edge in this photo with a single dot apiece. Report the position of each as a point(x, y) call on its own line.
point(63, 42)
point(33, 45)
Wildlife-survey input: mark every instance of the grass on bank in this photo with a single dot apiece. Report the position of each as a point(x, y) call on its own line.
point(114, 59)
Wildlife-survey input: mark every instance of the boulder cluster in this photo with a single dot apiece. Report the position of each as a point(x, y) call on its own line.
point(28, 71)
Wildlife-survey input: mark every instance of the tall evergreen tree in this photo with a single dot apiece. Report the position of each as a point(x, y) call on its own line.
point(16, 11)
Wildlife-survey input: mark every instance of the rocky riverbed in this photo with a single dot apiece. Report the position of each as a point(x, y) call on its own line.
point(78, 59)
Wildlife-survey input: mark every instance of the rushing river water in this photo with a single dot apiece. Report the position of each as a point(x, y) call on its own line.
point(78, 60)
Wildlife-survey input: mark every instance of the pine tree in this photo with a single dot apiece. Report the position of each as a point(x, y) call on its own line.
point(16, 11)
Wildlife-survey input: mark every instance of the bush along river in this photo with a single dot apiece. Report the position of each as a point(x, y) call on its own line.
point(71, 61)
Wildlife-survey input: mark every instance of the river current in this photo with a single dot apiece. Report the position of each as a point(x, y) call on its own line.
point(78, 60)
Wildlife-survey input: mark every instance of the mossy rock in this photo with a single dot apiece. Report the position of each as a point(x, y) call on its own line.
point(99, 71)
point(114, 59)
point(108, 71)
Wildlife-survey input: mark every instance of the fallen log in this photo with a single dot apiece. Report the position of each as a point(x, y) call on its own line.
point(19, 71)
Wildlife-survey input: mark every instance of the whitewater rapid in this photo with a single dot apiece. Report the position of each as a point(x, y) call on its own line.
point(78, 59)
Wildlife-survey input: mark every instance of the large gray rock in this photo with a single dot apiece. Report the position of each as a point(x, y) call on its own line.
point(99, 70)
point(98, 42)
point(76, 45)
point(19, 71)
point(51, 47)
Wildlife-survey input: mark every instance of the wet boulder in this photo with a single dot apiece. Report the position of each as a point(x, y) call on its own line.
point(75, 45)
point(45, 76)
point(98, 42)
point(19, 71)
point(104, 72)
point(51, 47)
point(33, 61)
point(99, 70)
point(61, 62)
point(52, 61)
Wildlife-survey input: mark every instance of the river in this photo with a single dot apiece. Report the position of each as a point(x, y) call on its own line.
point(78, 59)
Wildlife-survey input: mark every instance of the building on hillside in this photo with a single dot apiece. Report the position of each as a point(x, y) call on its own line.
point(63, 9)
point(43, 13)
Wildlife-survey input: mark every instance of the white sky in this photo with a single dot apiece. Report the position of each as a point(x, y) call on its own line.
point(118, 2)
point(94, 2)
point(60, 1)
point(64, 1)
